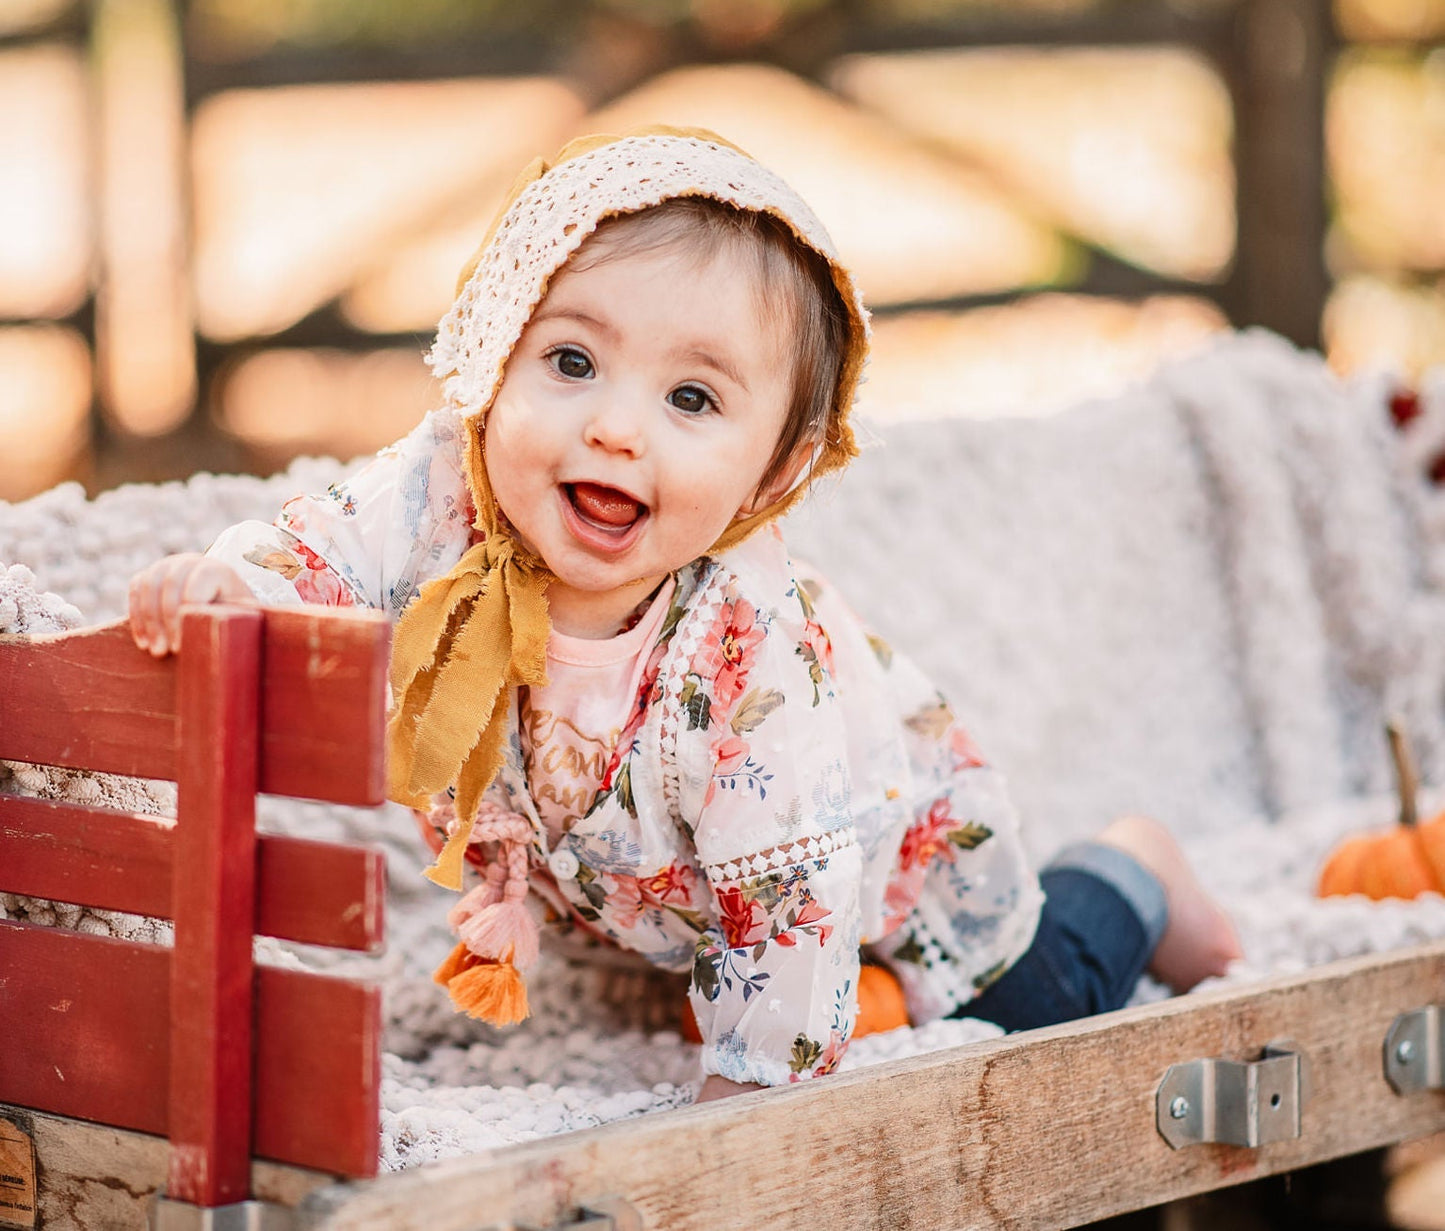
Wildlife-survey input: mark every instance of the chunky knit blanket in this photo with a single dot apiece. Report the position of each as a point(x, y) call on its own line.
point(1197, 600)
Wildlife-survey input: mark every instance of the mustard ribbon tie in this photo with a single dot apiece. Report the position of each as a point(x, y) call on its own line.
point(468, 638)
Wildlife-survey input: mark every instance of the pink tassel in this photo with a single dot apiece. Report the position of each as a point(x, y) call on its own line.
point(477, 899)
point(504, 931)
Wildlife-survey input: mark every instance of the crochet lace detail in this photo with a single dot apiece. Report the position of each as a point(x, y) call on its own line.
point(789, 855)
point(705, 608)
point(553, 215)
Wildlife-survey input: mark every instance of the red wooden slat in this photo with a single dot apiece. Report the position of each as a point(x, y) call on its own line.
point(320, 893)
point(323, 704)
point(83, 1023)
point(214, 899)
point(92, 1013)
point(318, 1071)
point(88, 700)
point(94, 857)
point(94, 700)
point(317, 893)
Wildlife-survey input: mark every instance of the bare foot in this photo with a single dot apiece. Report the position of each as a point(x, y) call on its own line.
point(1199, 940)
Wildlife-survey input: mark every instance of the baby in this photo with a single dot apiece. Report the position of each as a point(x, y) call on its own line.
point(616, 695)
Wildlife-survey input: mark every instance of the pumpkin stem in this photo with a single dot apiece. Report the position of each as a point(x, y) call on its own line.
point(1405, 780)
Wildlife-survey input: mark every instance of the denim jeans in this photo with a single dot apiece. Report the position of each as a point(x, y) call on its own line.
point(1103, 915)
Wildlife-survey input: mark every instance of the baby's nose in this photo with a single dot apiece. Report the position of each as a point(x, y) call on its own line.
point(619, 428)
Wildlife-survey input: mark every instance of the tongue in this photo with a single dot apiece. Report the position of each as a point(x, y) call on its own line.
point(605, 505)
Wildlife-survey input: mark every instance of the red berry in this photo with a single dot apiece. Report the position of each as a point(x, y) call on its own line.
point(1404, 407)
point(1436, 469)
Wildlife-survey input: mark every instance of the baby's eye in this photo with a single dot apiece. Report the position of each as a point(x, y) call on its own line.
point(691, 399)
point(571, 362)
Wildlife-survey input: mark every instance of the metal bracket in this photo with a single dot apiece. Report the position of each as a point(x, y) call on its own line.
point(599, 1214)
point(1242, 1103)
point(171, 1215)
point(1414, 1050)
point(585, 1220)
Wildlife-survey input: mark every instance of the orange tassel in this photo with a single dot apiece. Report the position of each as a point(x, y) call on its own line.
point(457, 961)
point(493, 992)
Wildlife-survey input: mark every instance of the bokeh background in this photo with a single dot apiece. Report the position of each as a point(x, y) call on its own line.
point(228, 227)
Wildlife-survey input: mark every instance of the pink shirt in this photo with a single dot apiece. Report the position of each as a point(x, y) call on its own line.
point(571, 725)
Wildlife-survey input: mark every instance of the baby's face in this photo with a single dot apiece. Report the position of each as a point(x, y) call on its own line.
point(636, 417)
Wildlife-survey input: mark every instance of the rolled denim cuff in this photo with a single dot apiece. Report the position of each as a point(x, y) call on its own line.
point(1138, 886)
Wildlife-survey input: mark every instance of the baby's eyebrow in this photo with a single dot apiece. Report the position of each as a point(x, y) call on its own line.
point(718, 363)
point(564, 313)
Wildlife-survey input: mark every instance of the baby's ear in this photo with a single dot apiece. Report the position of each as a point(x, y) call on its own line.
point(779, 485)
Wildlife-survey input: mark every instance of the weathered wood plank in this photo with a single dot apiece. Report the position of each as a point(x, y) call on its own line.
point(1048, 1128)
point(318, 1071)
point(316, 893)
point(92, 1013)
point(89, 856)
point(88, 700)
point(83, 1019)
point(213, 895)
point(95, 1176)
point(323, 704)
point(321, 893)
point(93, 700)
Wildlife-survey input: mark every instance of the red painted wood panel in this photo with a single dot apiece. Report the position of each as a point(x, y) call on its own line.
point(318, 1071)
point(323, 704)
point(88, 700)
point(289, 702)
point(317, 893)
point(83, 1023)
point(321, 893)
point(213, 898)
point(93, 700)
point(90, 856)
point(93, 1015)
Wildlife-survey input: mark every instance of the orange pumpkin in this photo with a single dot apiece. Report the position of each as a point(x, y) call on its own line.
point(880, 1005)
point(1403, 862)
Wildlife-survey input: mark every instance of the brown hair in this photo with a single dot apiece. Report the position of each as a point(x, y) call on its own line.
point(786, 273)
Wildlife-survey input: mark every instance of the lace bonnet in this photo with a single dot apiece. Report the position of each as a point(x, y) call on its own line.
point(552, 210)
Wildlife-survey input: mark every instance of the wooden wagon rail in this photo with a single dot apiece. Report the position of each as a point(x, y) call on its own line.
point(1046, 1128)
point(1043, 1129)
point(193, 1040)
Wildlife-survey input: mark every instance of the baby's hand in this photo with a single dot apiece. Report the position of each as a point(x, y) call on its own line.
point(158, 592)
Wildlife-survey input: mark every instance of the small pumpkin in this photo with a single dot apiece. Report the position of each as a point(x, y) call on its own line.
point(1403, 862)
point(880, 1005)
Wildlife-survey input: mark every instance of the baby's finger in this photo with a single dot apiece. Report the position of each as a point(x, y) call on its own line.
point(171, 596)
point(208, 581)
point(144, 602)
point(205, 583)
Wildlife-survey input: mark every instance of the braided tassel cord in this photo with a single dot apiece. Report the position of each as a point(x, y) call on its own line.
point(498, 937)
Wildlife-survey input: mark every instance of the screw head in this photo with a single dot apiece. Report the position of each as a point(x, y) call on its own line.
point(1179, 1107)
point(1404, 1051)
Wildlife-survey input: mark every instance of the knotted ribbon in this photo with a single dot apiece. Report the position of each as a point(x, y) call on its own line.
point(469, 638)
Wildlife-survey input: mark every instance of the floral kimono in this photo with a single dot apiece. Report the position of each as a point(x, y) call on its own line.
point(785, 794)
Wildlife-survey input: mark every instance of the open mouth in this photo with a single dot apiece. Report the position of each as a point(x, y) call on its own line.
point(606, 510)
